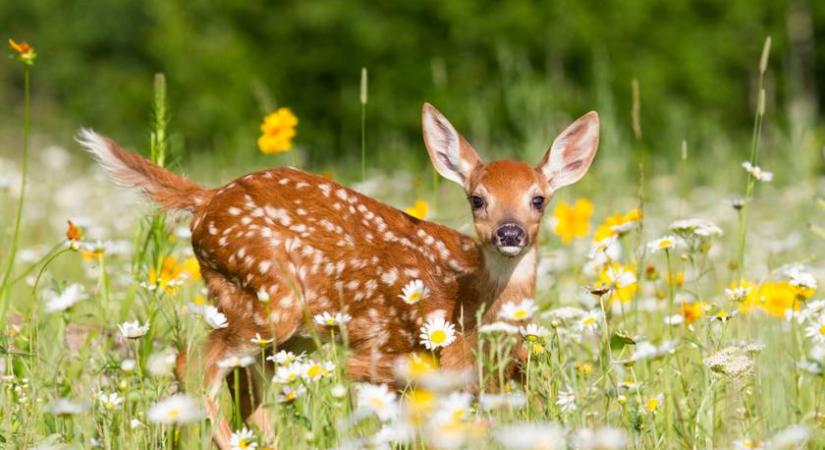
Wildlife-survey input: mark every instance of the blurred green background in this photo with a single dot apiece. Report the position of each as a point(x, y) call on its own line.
point(509, 74)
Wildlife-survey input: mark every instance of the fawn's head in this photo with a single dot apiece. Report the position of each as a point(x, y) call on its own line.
point(508, 198)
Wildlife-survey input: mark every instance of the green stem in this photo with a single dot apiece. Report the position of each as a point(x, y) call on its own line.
point(5, 287)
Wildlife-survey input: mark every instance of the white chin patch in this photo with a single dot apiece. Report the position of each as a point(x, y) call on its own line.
point(510, 250)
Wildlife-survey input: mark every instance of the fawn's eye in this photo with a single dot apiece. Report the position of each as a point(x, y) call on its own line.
point(538, 202)
point(477, 202)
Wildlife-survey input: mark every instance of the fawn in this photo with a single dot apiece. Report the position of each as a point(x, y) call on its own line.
point(311, 245)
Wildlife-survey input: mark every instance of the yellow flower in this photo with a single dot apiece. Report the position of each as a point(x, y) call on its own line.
point(420, 403)
point(419, 210)
point(23, 52)
point(191, 268)
point(572, 222)
point(653, 403)
point(693, 311)
point(620, 279)
point(170, 275)
point(617, 224)
point(678, 279)
point(773, 297)
point(277, 130)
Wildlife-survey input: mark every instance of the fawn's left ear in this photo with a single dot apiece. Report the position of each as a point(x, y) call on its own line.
point(570, 156)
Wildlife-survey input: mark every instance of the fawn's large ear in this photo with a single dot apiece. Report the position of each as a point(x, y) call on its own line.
point(452, 156)
point(568, 159)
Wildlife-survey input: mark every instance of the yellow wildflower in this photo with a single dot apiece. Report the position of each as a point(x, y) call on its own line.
point(420, 403)
point(572, 222)
point(677, 279)
point(277, 130)
point(170, 275)
point(617, 224)
point(773, 297)
point(693, 311)
point(23, 52)
point(620, 279)
point(419, 210)
point(191, 268)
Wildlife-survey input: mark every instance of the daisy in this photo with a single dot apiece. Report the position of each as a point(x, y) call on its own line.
point(498, 327)
point(567, 400)
point(653, 403)
point(236, 361)
point(590, 322)
point(534, 332)
point(531, 435)
point(60, 302)
point(288, 373)
point(757, 172)
point(109, 401)
point(378, 400)
point(133, 330)
point(262, 341)
point(518, 311)
point(243, 439)
point(664, 243)
point(326, 319)
point(455, 407)
point(414, 292)
point(437, 333)
point(214, 318)
point(314, 371)
point(696, 227)
point(747, 444)
point(738, 293)
point(514, 400)
point(161, 363)
point(816, 330)
point(177, 409)
point(289, 394)
point(65, 407)
point(283, 357)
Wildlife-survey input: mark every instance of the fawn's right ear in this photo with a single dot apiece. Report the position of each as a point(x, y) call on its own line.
point(452, 156)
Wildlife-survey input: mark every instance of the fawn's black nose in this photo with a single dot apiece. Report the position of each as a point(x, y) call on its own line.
point(509, 235)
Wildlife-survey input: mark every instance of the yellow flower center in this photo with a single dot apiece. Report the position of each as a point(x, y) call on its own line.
point(520, 314)
point(315, 371)
point(438, 337)
point(173, 413)
point(665, 243)
point(415, 297)
point(243, 443)
point(652, 404)
point(822, 330)
point(377, 403)
point(588, 321)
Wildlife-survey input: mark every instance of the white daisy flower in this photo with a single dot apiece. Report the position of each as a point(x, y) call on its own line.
point(757, 172)
point(261, 341)
point(109, 401)
point(799, 277)
point(283, 357)
point(531, 435)
point(696, 227)
point(177, 409)
point(498, 327)
point(567, 400)
point(748, 444)
point(790, 438)
point(315, 370)
point(620, 277)
point(737, 293)
point(64, 300)
point(437, 333)
point(290, 393)
point(514, 400)
point(135, 424)
point(454, 408)
point(133, 330)
point(242, 440)
point(327, 319)
point(128, 365)
point(518, 311)
point(378, 400)
point(286, 374)
point(816, 330)
point(214, 318)
point(590, 322)
point(665, 243)
point(161, 363)
point(534, 331)
point(604, 438)
point(414, 292)
point(233, 361)
point(65, 407)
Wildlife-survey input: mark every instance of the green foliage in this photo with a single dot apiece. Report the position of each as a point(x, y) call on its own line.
point(230, 62)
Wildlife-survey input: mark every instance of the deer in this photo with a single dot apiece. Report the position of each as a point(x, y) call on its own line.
point(311, 245)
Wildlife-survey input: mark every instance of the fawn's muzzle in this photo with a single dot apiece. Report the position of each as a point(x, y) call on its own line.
point(510, 238)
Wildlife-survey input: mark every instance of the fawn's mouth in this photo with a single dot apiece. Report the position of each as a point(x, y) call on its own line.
point(510, 250)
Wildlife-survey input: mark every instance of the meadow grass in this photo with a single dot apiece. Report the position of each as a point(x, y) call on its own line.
point(653, 330)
